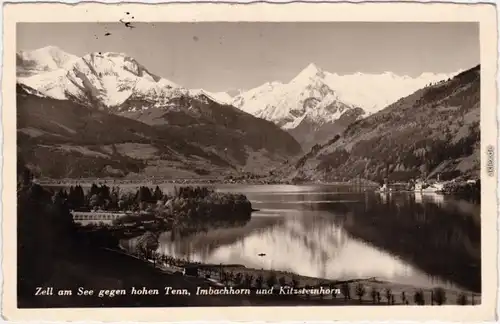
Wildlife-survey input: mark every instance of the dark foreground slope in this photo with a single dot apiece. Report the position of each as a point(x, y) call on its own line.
point(51, 252)
point(61, 138)
point(434, 130)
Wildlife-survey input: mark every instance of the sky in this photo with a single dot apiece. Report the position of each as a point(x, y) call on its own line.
point(225, 56)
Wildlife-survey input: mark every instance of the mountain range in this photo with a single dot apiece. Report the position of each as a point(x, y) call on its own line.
point(311, 107)
point(316, 104)
point(66, 105)
point(105, 114)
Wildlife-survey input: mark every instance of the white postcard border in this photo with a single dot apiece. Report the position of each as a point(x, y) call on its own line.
point(485, 14)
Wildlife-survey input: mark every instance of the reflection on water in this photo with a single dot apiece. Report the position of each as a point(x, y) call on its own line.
point(435, 198)
point(309, 244)
point(85, 222)
point(338, 234)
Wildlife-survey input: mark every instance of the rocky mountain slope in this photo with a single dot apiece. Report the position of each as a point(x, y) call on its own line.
point(114, 88)
point(305, 106)
point(433, 131)
point(221, 97)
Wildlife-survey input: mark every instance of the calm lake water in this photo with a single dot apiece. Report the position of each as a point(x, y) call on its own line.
point(336, 233)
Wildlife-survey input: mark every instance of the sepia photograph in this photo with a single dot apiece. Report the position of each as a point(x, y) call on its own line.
point(248, 163)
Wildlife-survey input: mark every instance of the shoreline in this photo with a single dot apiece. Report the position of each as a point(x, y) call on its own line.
point(200, 181)
point(365, 185)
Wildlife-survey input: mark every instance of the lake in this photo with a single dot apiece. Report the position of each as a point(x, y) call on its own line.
point(339, 233)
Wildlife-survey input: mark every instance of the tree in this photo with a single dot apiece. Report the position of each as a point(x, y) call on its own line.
point(374, 295)
point(439, 295)
point(158, 194)
point(144, 195)
point(346, 290)
point(104, 194)
point(271, 280)
point(404, 300)
point(333, 289)
point(79, 199)
point(94, 201)
point(419, 297)
point(147, 244)
point(360, 291)
point(248, 280)
point(259, 281)
point(113, 201)
point(238, 279)
point(224, 277)
point(155, 255)
point(388, 295)
point(94, 190)
point(230, 276)
point(308, 293)
point(462, 299)
point(282, 281)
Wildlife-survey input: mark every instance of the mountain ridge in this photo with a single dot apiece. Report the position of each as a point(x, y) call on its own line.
point(343, 83)
point(315, 104)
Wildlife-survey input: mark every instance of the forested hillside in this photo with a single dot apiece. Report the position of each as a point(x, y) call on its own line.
point(59, 138)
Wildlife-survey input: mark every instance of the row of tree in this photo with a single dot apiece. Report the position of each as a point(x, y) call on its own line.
point(106, 198)
point(437, 295)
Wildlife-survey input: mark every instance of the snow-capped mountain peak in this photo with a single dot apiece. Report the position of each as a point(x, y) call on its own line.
point(103, 79)
point(307, 97)
point(45, 59)
point(220, 97)
point(311, 72)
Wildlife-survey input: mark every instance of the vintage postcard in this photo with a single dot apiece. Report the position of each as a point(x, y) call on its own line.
point(259, 162)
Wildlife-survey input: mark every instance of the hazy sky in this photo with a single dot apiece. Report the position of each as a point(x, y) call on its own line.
point(227, 56)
